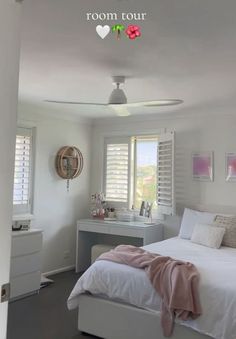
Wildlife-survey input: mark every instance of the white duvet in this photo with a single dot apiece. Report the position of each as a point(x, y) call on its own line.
point(217, 268)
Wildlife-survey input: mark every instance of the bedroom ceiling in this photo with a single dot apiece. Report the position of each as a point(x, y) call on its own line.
point(187, 51)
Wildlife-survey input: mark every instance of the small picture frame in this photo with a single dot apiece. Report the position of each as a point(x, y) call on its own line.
point(202, 166)
point(230, 166)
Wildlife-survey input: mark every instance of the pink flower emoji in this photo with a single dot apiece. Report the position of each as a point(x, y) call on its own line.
point(133, 32)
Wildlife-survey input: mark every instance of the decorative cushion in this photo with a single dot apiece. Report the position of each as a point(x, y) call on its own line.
point(208, 235)
point(191, 218)
point(229, 223)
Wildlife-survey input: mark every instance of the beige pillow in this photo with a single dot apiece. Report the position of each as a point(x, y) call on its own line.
point(208, 235)
point(229, 223)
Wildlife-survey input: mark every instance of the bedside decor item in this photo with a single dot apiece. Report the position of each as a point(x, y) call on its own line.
point(125, 215)
point(230, 162)
point(98, 205)
point(146, 209)
point(202, 166)
point(142, 209)
point(148, 213)
point(69, 163)
point(110, 213)
point(21, 222)
point(21, 225)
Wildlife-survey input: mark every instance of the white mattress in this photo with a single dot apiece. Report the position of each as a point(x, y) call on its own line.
point(217, 268)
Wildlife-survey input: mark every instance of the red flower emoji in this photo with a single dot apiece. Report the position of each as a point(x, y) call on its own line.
point(133, 32)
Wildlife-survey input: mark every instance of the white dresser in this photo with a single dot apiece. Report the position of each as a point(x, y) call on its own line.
point(25, 271)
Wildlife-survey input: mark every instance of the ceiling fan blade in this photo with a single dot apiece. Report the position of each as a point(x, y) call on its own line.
point(75, 103)
point(155, 103)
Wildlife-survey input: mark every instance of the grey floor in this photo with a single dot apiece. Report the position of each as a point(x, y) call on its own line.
point(45, 315)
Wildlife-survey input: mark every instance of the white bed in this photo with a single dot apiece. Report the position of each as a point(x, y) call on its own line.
point(122, 285)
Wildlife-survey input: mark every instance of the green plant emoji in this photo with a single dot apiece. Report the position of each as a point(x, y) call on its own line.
point(118, 28)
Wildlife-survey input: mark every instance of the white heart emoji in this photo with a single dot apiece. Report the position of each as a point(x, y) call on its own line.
point(103, 31)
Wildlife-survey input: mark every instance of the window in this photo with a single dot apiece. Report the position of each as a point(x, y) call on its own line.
point(23, 171)
point(145, 169)
point(117, 170)
point(140, 168)
point(165, 170)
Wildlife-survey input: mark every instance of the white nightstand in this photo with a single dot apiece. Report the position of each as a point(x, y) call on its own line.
point(95, 231)
point(25, 274)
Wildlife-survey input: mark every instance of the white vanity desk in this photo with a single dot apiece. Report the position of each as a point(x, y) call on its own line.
point(95, 231)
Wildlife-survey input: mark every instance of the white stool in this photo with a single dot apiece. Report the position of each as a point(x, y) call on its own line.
point(98, 249)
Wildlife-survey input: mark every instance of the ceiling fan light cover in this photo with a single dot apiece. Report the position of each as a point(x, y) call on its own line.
point(117, 97)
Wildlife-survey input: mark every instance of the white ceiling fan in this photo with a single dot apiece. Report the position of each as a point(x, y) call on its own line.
point(118, 100)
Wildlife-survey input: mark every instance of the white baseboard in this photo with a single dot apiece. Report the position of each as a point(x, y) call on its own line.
point(59, 270)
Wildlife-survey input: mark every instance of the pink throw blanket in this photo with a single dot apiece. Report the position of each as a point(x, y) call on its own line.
point(175, 281)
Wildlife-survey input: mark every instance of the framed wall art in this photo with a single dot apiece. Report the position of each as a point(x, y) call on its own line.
point(230, 162)
point(202, 166)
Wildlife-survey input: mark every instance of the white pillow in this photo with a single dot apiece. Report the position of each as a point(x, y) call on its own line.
point(191, 218)
point(208, 235)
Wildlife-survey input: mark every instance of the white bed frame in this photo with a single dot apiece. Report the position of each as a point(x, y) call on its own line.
point(113, 320)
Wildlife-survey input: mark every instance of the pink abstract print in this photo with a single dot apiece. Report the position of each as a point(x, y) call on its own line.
point(202, 166)
point(231, 166)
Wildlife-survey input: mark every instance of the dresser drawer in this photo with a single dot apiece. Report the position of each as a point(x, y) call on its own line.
point(26, 244)
point(94, 228)
point(127, 232)
point(25, 284)
point(25, 264)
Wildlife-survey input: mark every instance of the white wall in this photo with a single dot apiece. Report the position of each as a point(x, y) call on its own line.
point(194, 132)
point(9, 70)
point(55, 209)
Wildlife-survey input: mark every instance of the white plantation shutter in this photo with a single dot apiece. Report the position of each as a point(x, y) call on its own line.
point(165, 174)
point(23, 171)
point(117, 170)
